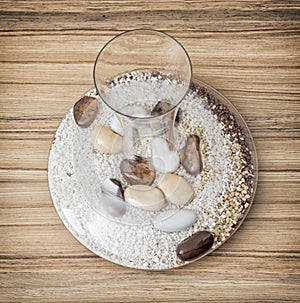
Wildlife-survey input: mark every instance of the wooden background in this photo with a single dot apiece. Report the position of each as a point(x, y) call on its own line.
point(245, 49)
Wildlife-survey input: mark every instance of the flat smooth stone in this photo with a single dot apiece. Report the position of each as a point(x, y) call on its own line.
point(113, 205)
point(112, 197)
point(176, 189)
point(85, 111)
point(145, 197)
point(174, 220)
point(113, 186)
point(137, 171)
point(195, 245)
point(116, 125)
point(191, 156)
point(163, 159)
point(106, 141)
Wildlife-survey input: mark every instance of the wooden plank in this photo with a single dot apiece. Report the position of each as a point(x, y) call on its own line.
point(94, 264)
point(25, 194)
point(81, 74)
point(23, 176)
point(258, 52)
point(134, 286)
point(117, 5)
point(42, 104)
point(278, 155)
point(188, 33)
point(18, 154)
point(177, 15)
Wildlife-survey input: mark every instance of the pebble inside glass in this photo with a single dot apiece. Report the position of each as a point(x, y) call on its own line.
point(146, 55)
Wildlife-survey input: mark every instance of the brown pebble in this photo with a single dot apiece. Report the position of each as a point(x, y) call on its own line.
point(85, 111)
point(191, 156)
point(162, 107)
point(137, 171)
point(195, 245)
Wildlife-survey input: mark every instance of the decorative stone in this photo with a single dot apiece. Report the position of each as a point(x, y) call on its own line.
point(114, 187)
point(162, 107)
point(85, 111)
point(112, 197)
point(163, 159)
point(176, 189)
point(191, 156)
point(113, 205)
point(195, 245)
point(116, 124)
point(145, 197)
point(137, 171)
point(174, 220)
point(106, 141)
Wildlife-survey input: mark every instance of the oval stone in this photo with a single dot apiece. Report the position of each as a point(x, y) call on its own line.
point(191, 156)
point(176, 189)
point(106, 141)
point(163, 159)
point(137, 171)
point(113, 205)
point(112, 198)
point(174, 220)
point(85, 111)
point(145, 197)
point(195, 245)
point(113, 186)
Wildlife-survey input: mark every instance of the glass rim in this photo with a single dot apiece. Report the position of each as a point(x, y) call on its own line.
point(146, 30)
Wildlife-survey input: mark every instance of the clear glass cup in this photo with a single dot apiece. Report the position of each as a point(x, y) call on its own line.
point(141, 77)
point(132, 73)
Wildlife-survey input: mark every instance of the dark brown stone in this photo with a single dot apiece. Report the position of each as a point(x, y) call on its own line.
point(195, 245)
point(191, 156)
point(85, 111)
point(137, 171)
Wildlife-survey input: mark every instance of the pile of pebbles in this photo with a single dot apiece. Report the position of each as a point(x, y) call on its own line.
point(196, 201)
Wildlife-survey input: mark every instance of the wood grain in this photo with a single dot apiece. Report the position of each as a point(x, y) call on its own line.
point(248, 50)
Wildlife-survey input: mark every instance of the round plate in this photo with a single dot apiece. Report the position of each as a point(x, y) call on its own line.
point(224, 190)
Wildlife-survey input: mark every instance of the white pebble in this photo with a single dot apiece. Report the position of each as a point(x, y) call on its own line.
point(116, 125)
point(174, 220)
point(163, 159)
point(113, 205)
